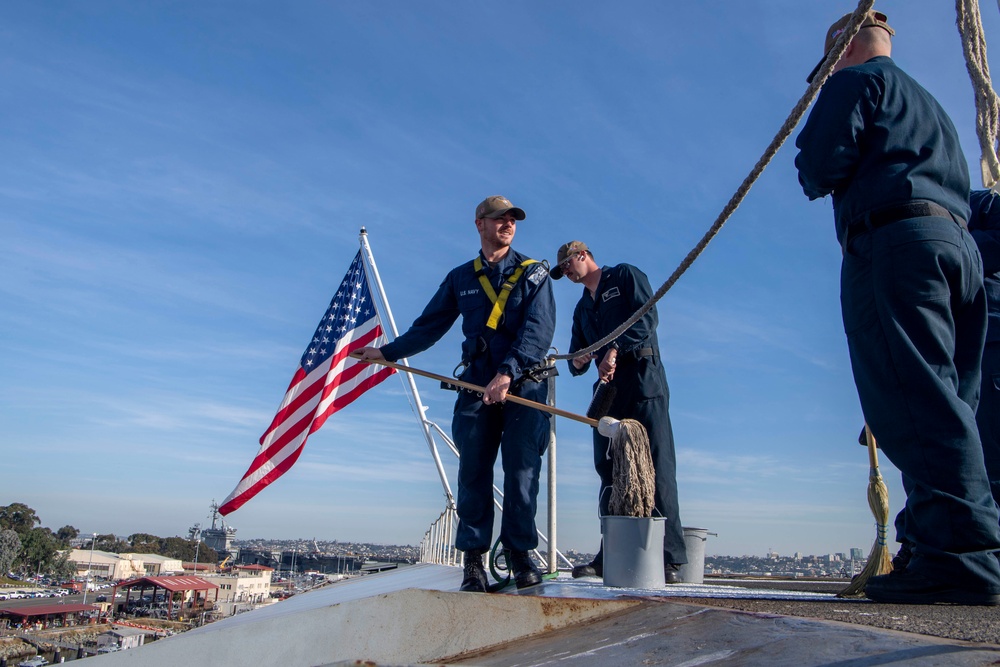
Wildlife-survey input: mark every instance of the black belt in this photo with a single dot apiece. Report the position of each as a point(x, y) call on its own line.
point(639, 353)
point(885, 216)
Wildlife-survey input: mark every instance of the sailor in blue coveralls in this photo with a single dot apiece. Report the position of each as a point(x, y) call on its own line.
point(984, 225)
point(914, 308)
point(632, 365)
point(502, 343)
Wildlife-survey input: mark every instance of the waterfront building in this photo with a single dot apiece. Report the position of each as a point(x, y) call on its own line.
point(245, 587)
point(107, 565)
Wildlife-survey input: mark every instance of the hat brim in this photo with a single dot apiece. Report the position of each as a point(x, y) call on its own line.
point(513, 210)
point(556, 272)
point(812, 74)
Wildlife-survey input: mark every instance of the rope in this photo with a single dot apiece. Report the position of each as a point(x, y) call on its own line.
point(970, 28)
point(852, 28)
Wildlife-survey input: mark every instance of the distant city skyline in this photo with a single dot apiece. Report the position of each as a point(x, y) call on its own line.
point(243, 542)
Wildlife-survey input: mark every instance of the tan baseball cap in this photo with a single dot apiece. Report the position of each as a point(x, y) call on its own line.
point(566, 250)
point(873, 19)
point(495, 206)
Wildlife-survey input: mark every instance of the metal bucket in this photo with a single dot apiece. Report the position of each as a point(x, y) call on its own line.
point(633, 551)
point(693, 572)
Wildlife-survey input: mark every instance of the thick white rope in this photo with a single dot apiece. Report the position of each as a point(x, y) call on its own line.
point(970, 28)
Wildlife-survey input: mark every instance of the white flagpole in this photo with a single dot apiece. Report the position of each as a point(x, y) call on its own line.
point(391, 334)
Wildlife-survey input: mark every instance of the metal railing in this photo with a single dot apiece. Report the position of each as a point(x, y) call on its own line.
point(439, 540)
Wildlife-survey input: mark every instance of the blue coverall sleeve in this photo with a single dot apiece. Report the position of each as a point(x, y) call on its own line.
point(638, 291)
point(984, 225)
point(577, 341)
point(534, 338)
point(828, 144)
point(438, 316)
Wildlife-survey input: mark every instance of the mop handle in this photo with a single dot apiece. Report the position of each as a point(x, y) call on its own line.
point(870, 440)
point(482, 390)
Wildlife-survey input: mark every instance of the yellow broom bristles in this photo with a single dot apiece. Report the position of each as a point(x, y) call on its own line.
point(879, 560)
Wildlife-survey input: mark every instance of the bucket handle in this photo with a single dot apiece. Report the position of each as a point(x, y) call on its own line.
point(703, 539)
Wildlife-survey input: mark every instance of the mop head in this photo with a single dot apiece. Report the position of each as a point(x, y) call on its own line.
point(633, 483)
point(879, 560)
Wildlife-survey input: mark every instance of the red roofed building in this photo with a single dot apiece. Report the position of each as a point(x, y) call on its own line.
point(178, 596)
point(49, 615)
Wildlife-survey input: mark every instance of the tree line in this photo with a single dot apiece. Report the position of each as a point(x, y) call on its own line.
point(26, 548)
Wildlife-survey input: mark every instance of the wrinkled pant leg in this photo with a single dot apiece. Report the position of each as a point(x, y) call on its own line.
point(654, 415)
point(900, 523)
point(988, 416)
point(475, 429)
point(914, 314)
point(605, 472)
point(525, 438)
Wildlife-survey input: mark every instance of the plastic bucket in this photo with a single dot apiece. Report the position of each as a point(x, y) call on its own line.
point(693, 572)
point(633, 551)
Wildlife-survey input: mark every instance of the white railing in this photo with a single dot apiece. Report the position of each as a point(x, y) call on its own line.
point(438, 544)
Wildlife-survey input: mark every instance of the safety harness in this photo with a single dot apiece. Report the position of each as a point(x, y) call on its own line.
point(499, 302)
point(536, 373)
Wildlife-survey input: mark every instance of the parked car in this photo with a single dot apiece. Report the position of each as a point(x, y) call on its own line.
point(101, 598)
point(110, 648)
point(34, 661)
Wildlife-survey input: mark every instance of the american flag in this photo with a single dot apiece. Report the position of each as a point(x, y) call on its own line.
point(326, 380)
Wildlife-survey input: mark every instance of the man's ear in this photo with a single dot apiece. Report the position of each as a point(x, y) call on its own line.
point(849, 51)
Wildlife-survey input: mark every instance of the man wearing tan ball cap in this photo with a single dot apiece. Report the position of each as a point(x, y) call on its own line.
point(633, 369)
point(872, 19)
point(914, 309)
point(508, 319)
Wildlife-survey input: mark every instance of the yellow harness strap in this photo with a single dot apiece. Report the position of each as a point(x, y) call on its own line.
point(499, 302)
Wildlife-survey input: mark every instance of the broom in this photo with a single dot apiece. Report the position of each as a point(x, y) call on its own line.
point(604, 397)
point(879, 561)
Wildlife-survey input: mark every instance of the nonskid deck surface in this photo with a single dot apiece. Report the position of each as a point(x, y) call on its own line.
point(416, 615)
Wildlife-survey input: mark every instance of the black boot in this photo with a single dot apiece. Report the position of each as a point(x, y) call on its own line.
point(671, 573)
point(591, 569)
point(594, 568)
point(475, 575)
point(902, 557)
point(524, 571)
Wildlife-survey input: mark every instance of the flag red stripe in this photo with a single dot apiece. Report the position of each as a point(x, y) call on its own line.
point(313, 396)
point(279, 470)
point(300, 397)
point(306, 425)
point(343, 401)
point(275, 441)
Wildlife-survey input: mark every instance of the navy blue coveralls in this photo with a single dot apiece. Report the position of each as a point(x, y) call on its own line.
point(641, 390)
point(519, 433)
point(984, 225)
point(913, 304)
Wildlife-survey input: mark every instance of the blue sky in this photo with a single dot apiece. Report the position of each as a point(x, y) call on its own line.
point(182, 189)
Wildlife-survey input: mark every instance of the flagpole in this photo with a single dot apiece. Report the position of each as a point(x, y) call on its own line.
point(391, 334)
